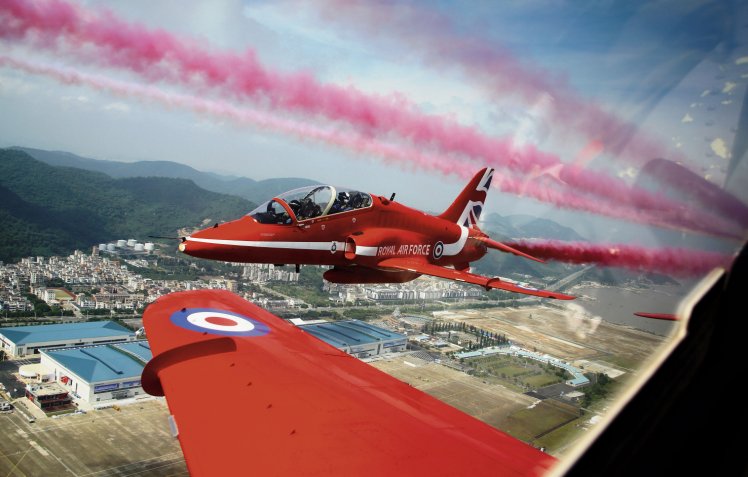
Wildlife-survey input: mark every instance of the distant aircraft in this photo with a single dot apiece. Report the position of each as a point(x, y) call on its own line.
point(283, 402)
point(366, 238)
point(657, 316)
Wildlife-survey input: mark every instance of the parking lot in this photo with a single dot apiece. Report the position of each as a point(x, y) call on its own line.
point(131, 441)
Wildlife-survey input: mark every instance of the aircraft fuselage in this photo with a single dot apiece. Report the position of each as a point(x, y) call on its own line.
point(357, 237)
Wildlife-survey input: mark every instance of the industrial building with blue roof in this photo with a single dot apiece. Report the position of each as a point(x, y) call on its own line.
point(24, 340)
point(100, 373)
point(358, 338)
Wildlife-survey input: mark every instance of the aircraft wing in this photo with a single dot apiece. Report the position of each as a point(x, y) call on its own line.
point(251, 394)
point(425, 268)
point(657, 316)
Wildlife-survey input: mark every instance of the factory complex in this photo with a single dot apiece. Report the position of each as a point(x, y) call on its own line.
point(358, 338)
point(99, 373)
point(20, 341)
point(101, 362)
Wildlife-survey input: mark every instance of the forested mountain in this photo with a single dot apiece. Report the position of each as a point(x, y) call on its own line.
point(255, 191)
point(54, 210)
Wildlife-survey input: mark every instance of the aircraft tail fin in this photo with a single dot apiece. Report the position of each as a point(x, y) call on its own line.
point(467, 207)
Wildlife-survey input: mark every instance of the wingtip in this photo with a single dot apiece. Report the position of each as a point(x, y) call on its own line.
point(560, 296)
point(657, 316)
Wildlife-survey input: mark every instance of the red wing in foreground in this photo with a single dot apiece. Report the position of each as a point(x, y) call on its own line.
point(253, 395)
point(425, 268)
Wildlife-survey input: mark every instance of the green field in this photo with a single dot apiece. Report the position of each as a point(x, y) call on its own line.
point(531, 423)
point(559, 438)
point(510, 370)
point(626, 362)
point(540, 380)
point(517, 373)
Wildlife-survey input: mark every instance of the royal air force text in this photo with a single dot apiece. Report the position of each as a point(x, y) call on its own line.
point(407, 249)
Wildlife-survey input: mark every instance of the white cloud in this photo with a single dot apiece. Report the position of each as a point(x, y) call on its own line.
point(687, 119)
point(742, 60)
point(79, 99)
point(729, 86)
point(629, 173)
point(720, 148)
point(117, 106)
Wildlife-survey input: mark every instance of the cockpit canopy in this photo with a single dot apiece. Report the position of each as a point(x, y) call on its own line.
point(310, 202)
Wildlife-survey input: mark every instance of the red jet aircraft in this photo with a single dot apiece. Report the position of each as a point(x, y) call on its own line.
point(365, 238)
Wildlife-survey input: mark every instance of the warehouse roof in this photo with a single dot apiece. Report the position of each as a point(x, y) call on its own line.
point(105, 362)
point(21, 335)
point(350, 333)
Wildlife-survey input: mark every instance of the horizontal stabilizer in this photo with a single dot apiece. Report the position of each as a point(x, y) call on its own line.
point(425, 268)
point(506, 248)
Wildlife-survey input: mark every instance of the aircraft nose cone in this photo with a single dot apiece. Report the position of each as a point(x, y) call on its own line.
point(219, 242)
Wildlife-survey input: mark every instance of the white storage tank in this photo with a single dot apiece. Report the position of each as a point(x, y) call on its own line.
point(110, 247)
point(149, 247)
point(102, 246)
point(131, 242)
point(121, 243)
point(139, 247)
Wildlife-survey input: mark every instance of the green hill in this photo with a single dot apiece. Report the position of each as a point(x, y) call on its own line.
point(255, 191)
point(53, 210)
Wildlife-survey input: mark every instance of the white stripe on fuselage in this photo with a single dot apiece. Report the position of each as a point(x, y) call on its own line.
point(272, 244)
point(366, 251)
point(450, 249)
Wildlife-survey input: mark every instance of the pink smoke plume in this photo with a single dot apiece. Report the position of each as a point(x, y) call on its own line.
point(437, 39)
point(222, 110)
point(681, 262)
point(401, 155)
point(158, 54)
point(568, 199)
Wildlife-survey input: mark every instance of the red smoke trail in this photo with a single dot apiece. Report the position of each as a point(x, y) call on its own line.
point(681, 262)
point(222, 110)
point(158, 54)
point(568, 199)
point(398, 154)
point(436, 38)
point(393, 153)
point(402, 155)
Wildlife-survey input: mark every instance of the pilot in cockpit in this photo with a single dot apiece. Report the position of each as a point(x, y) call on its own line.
point(342, 203)
point(308, 209)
